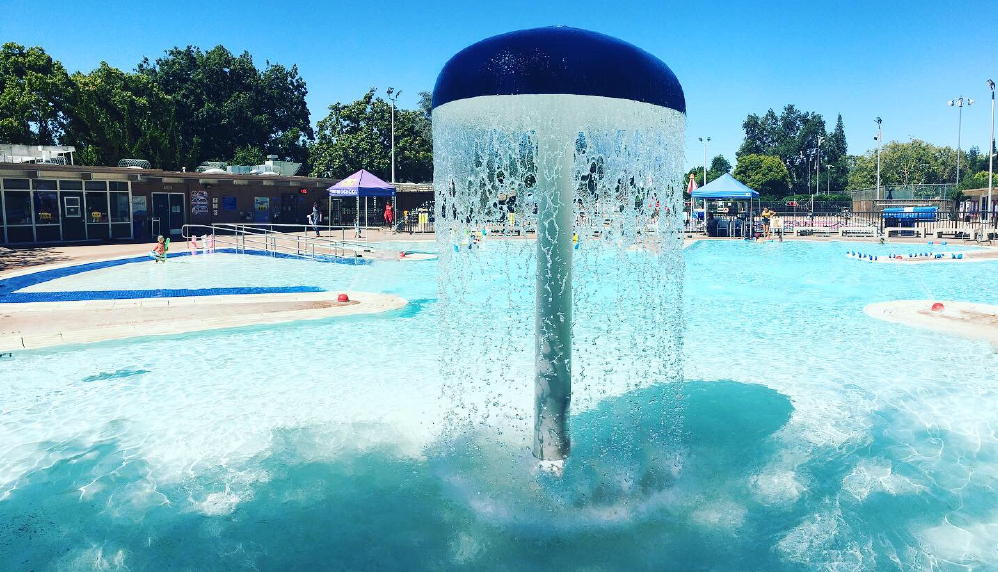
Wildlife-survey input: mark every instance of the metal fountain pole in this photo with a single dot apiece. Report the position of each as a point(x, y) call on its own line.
point(553, 329)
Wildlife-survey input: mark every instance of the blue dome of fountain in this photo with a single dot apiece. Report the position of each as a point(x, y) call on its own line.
point(558, 59)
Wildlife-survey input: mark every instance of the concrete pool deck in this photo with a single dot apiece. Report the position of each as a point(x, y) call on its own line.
point(35, 325)
point(963, 319)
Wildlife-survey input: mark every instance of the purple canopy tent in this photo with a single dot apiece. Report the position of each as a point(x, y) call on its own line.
point(361, 184)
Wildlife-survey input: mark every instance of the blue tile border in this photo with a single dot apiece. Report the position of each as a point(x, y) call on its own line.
point(9, 287)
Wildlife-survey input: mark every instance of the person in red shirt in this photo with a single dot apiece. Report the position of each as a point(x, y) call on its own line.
point(389, 215)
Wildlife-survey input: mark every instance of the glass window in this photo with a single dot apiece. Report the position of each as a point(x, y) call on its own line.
point(17, 207)
point(96, 207)
point(96, 185)
point(72, 204)
point(15, 184)
point(120, 207)
point(118, 186)
point(71, 185)
point(46, 207)
point(44, 184)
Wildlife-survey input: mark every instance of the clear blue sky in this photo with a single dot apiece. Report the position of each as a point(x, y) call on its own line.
point(899, 60)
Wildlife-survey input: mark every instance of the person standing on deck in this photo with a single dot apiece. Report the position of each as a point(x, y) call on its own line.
point(389, 214)
point(315, 218)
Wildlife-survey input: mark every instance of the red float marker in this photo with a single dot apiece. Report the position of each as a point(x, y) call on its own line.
point(937, 307)
point(343, 298)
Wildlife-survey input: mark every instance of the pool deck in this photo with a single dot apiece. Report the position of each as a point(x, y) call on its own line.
point(963, 319)
point(35, 325)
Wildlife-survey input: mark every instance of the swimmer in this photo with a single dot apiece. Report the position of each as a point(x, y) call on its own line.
point(158, 252)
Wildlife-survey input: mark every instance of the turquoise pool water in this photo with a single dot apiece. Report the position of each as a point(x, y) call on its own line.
point(813, 436)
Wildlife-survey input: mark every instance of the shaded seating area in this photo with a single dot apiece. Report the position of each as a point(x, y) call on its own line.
point(737, 220)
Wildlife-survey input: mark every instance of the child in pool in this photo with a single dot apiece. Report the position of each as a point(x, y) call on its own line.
point(159, 251)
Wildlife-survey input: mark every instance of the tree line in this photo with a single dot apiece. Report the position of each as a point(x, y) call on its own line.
point(792, 155)
point(192, 106)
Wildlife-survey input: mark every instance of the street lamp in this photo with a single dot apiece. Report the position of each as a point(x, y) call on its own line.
point(828, 179)
point(991, 153)
point(959, 103)
point(393, 97)
point(705, 141)
point(879, 137)
point(817, 170)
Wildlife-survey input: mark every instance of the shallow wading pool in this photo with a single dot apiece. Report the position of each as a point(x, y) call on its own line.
point(812, 434)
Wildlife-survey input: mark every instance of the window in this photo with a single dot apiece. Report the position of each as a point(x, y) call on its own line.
point(119, 207)
point(96, 185)
point(96, 207)
point(44, 185)
point(118, 186)
point(72, 207)
point(17, 207)
point(15, 184)
point(46, 207)
point(71, 185)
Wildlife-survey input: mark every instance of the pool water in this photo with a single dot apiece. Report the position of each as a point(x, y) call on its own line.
point(813, 436)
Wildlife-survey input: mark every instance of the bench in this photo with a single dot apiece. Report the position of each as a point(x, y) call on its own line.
point(812, 230)
point(858, 231)
point(916, 232)
point(953, 232)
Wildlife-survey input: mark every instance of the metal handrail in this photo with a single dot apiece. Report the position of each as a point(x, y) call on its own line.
point(239, 236)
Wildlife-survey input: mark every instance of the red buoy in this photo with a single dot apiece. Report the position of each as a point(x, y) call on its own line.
point(937, 307)
point(343, 298)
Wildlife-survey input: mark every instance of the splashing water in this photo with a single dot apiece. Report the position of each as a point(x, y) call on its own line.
point(614, 165)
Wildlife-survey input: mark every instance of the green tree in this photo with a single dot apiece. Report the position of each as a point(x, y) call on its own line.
point(793, 136)
point(248, 155)
point(764, 173)
point(718, 166)
point(34, 92)
point(116, 115)
point(224, 102)
point(977, 180)
point(357, 135)
point(911, 163)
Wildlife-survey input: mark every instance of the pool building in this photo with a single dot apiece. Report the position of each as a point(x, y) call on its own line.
point(49, 204)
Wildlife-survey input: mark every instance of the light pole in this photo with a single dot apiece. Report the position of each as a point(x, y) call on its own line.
point(705, 141)
point(879, 137)
point(828, 179)
point(393, 96)
point(817, 170)
point(991, 153)
point(959, 103)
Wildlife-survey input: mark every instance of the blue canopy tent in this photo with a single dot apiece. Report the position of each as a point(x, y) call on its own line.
point(361, 184)
point(728, 188)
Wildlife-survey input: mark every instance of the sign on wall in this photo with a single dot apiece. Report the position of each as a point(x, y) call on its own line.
point(261, 208)
point(139, 207)
point(199, 202)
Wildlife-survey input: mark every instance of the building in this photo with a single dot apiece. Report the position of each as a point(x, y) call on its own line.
point(43, 203)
